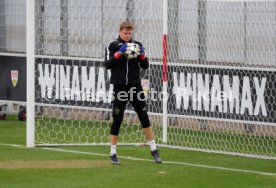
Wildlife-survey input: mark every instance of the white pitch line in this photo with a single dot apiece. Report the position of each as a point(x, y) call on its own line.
point(164, 162)
point(169, 162)
point(11, 145)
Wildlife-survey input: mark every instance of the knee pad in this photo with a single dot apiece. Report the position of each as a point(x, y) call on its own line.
point(144, 119)
point(145, 124)
point(115, 126)
point(115, 129)
point(118, 116)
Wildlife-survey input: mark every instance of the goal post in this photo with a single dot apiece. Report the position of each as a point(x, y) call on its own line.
point(214, 60)
point(30, 129)
point(165, 73)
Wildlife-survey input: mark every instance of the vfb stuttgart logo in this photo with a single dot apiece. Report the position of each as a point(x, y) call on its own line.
point(14, 77)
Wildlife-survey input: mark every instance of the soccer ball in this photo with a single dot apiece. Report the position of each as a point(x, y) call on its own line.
point(132, 50)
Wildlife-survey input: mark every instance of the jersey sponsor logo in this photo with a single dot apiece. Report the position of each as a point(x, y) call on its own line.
point(14, 77)
point(145, 85)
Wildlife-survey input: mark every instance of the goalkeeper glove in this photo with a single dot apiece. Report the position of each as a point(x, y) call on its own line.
point(121, 51)
point(142, 52)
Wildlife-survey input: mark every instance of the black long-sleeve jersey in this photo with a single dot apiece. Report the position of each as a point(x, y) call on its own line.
point(123, 71)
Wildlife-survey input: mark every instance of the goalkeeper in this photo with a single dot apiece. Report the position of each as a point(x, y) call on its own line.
point(125, 75)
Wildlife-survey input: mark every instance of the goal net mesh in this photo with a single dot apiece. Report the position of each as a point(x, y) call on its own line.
point(221, 73)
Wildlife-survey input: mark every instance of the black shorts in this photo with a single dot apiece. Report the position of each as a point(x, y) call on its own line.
point(121, 96)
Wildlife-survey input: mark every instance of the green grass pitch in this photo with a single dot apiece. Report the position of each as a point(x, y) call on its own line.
point(89, 166)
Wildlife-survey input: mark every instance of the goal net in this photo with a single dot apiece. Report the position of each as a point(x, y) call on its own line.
point(220, 70)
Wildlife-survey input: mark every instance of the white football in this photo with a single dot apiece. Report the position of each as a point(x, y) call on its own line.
point(132, 50)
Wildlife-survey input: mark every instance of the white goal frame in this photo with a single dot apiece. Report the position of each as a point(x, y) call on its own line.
point(165, 115)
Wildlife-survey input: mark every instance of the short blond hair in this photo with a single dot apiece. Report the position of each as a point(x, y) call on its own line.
point(126, 24)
